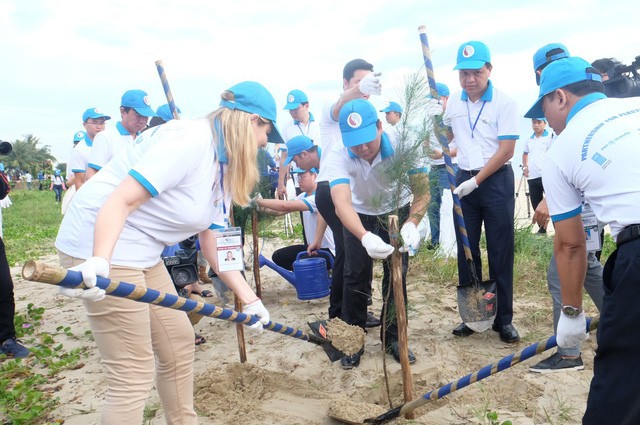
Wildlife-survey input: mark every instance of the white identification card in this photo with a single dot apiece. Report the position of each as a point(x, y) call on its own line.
point(229, 243)
point(591, 228)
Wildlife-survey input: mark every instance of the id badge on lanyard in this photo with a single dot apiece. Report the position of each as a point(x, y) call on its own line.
point(592, 228)
point(229, 251)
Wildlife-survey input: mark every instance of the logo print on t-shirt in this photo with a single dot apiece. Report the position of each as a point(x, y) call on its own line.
point(79, 134)
point(468, 51)
point(354, 120)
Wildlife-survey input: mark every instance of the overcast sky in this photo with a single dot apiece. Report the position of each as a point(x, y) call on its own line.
point(61, 57)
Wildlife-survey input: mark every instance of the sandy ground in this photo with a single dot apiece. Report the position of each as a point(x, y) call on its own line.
point(290, 381)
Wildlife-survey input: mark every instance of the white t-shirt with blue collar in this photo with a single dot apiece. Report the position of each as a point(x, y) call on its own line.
point(597, 155)
point(107, 143)
point(178, 164)
point(310, 219)
point(372, 193)
point(80, 156)
point(536, 149)
point(479, 126)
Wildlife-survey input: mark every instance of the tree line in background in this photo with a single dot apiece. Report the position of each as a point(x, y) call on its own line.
point(29, 155)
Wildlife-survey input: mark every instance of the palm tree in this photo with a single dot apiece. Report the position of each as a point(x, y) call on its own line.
point(27, 155)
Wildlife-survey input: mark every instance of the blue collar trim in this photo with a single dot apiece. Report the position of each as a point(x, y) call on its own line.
point(123, 131)
point(585, 101)
point(88, 141)
point(487, 96)
point(310, 119)
point(545, 133)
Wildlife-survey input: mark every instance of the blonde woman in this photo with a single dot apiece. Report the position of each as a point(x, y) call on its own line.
point(175, 181)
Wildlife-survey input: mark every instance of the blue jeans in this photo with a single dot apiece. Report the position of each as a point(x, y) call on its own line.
point(438, 181)
point(592, 284)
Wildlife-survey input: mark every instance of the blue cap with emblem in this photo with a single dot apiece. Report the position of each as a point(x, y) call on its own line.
point(295, 98)
point(358, 122)
point(472, 55)
point(138, 100)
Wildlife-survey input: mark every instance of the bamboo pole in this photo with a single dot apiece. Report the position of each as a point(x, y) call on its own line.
point(401, 314)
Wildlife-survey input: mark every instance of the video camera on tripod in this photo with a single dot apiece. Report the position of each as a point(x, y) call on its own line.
point(182, 262)
point(623, 80)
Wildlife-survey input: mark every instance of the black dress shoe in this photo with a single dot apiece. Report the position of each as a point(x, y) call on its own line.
point(394, 349)
point(508, 333)
point(463, 330)
point(349, 362)
point(372, 321)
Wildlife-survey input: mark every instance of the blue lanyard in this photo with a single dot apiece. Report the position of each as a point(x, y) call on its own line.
point(473, 127)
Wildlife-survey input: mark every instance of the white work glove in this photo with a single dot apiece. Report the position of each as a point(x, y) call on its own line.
point(256, 308)
point(370, 84)
point(571, 330)
point(435, 107)
point(376, 247)
point(6, 202)
point(90, 269)
point(466, 187)
point(410, 238)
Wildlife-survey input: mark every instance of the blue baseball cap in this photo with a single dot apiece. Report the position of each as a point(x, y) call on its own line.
point(79, 136)
point(254, 98)
point(164, 112)
point(558, 74)
point(56, 172)
point(94, 113)
point(358, 122)
point(393, 107)
point(294, 99)
point(544, 57)
point(301, 171)
point(473, 55)
point(442, 89)
point(297, 145)
point(138, 100)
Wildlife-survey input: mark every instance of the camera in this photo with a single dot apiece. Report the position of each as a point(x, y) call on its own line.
point(623, 80)
point(5, 148)
point(182, 264)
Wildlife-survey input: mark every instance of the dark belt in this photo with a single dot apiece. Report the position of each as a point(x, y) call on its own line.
point(628, 234)
point(475, 172)
point(440, 166)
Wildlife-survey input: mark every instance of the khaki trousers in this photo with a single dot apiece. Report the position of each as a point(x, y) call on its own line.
point(137, 339)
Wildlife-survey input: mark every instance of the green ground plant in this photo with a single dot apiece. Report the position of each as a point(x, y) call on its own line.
point(30, 225)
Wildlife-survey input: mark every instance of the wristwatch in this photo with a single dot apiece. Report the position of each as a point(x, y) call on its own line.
point(571, 311)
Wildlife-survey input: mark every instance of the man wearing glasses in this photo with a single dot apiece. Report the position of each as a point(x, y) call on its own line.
point(93, 121)
point(135, 111)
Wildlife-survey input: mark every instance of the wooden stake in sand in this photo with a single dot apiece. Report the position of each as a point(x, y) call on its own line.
point(237, 305)
point(401, 313)
point(256, 252)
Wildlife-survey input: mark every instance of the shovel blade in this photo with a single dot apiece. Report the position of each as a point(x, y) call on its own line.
point(319, 329)
point(477, 304)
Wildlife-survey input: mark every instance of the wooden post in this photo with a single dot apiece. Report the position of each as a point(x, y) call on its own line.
point(256, 252)
point(242, 348)
point(401, 313)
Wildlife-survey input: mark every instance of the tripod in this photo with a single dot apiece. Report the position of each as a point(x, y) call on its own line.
point(526, 191)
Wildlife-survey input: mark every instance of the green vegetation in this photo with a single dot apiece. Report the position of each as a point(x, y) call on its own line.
point(27, 386)
point(27, 155)
point(30, 225)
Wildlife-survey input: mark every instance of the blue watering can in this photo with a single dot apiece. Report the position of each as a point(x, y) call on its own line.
point(309, 276)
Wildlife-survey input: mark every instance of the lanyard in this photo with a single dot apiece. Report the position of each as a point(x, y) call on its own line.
point(473, 127)
point(224, 206)
point(301, 130)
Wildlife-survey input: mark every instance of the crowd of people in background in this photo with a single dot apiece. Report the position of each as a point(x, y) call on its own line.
point(579, 162)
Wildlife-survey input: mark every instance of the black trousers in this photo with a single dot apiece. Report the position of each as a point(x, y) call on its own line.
point(536, 191)
point(493, 205)
point(7, 303)
point(328, 211)
point(285, 257)
point(615, 388)
point(358, 269)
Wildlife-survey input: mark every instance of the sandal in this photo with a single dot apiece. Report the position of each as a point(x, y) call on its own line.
point(206, 293)
point(200, 339)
